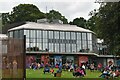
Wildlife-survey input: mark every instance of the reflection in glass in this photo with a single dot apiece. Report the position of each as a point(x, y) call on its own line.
point(50, 34)
point(68, 48)
point(56, 34)
point(56, 47)
point(62, 35)
point(62, 47)
point(67, 35)
point(51, 47)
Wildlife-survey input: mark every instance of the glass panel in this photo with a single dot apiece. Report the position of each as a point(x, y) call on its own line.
point(50, 34)
point(39, 34)
point(32, 34)
point(39, 45)
point(73, 35)
point(27, 40)
point(50, 47)
point(89, 35)
point(67, 47)
point(67, 35)
point(56, 34)
point(84, 44)
point(32, 45)
point(32, 40)
point(27, 46)
point(79, 36)
point(45, 40)
point(39, 40)
point(21, 34)
point(45, 46)
point(56, 47)
point(45, 34)
point(62, 35)
point(73, 47)
point(16, 34)
point(90, 47)
point(83, 36)
point(78, 48)
point(62, 47)
point(11, 34)
point(26, 32)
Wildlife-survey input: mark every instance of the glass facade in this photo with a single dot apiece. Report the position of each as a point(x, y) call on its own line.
point(57, 41)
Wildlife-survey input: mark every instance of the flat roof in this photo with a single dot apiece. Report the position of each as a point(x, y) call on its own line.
point(47, 26)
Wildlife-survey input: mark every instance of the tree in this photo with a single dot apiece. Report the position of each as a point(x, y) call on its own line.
point(81, 22)
point(24, 12)
point(108, 25)
point(52, 15)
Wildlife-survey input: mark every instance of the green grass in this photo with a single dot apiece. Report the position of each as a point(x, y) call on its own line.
point(65, 74)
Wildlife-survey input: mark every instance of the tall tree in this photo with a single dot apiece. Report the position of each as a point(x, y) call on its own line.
point(24, 12)
point(56, 15)
point(108, 25)
point(81, 22)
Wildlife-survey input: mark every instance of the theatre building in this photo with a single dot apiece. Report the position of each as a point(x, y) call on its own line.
point(54, 43)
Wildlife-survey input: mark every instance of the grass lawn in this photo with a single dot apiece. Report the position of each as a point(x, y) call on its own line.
point(65, 74)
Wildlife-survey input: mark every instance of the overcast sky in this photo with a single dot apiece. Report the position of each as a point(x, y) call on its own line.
point(71, 9)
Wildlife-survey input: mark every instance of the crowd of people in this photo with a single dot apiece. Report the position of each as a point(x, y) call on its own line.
point(78, 71)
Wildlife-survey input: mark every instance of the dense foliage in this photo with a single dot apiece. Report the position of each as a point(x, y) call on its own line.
point(107, 25)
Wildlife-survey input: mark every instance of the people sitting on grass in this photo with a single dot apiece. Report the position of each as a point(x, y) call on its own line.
point(46, 68)
point(78, 72)
point(52, 70)
point(107, 73)
point(104, 74)
point(92, 67)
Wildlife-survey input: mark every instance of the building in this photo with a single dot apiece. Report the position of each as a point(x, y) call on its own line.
point(45, 42)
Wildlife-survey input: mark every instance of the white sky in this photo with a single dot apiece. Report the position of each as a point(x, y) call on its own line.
point(71, 9)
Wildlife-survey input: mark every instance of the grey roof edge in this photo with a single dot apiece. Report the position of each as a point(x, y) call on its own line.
point(49, 26)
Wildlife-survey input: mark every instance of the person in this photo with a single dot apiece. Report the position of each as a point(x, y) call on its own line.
point(71, 68)
point(46, 68)
point(78, 72)
point(92, 67)
point(52, 70)
point(99, 66)
point(38, 65)
point(104, 74)
point(117, 73)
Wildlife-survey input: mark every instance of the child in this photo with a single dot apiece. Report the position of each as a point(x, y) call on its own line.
point(52, 70)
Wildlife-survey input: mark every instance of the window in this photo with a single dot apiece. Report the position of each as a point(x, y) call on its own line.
point(78, 36)
point(45, 46)
point(16, 34)
point(62, 47)
point(50, 34)
point(67, 35)
point(39, 45)
point(83, 36)
point(11, 34)
point(89, 36)
point(51, 47)
point(26, 32)
point(73, 47)
point(56, 47)
point(21, 34)
point(56, 34)
point(68, 48)
point(62, 35)
point(32, 34)
point(73, 35)
point(45, 35)
point(39, 35)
